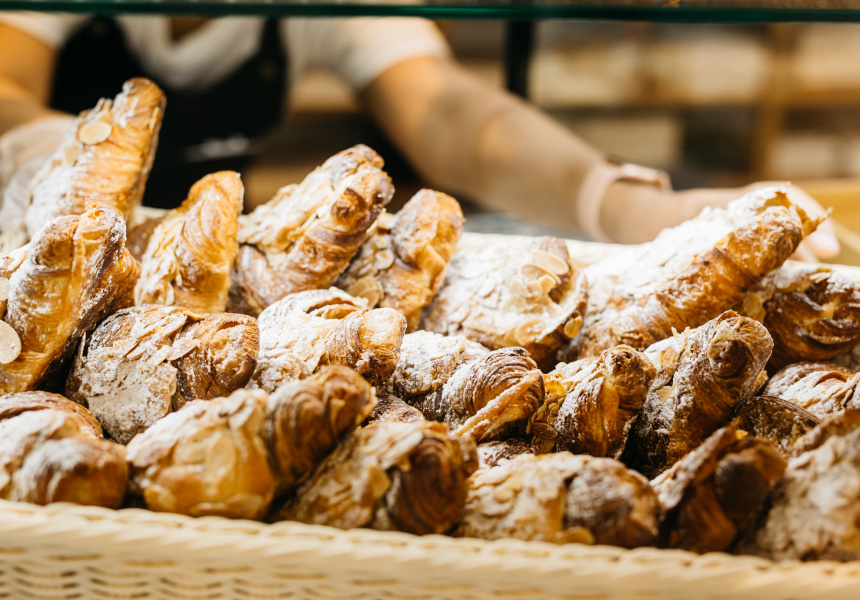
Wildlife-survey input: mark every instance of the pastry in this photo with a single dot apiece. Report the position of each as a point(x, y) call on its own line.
point(191, 250)
point(690, 274)
point(591, 403)
point(309, 329)
point(45, 457)
point(780, 422)
point(306, 419)
point(500, 452)
point(209, 458)
point(305, 236)
point(561, 498)
point(525, 293)
point(402, 264)
point(820, 388)
point(813, 512)
point(715, 491)
point(391, 408)
point(484, 394)
point(105, 155)
point(12, 405)
point(393, 476)
point(701, 375)
point(141, 363)
point(811, 312)
point(73, 272)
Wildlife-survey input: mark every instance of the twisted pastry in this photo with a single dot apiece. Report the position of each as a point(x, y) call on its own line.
point(106, 155)
point(209, 458)
point(46, 457)
point(811, 312)
point(701, 375)
point(72, 273)
point(525, 293)
point(306, 419)
point(402, 264)
point(690, 274)
point(591, 403)
point(561, 498)
point(143, 362)
point(821, 388)
point(12, 405)
point(716, 490)
point(306, 235)
point(191, 250)
point(309, 329)
point(394, 476)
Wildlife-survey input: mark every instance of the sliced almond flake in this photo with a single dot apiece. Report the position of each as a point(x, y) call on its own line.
point(94, 133)
point(526, 331)
point(183, 346)
point(368, 288)
point(551, 262)
point(10, 343)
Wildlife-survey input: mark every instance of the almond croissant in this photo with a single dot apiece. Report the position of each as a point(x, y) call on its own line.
point(591, 403)
point(106, 155)
point(561, 498)
point(525, 292)
point(190, 252)
point(210, 458)
point(701, 375)
point(393, 476)
point(306, 419)
point(45, 457)
point(73, 272)
point(141, 363)
point(821, 388)
point(306, 235)
point(811, 312)
point(475, 391)
point(307, 330)
point(403, 263)
point(691, 273)
point(12, 405)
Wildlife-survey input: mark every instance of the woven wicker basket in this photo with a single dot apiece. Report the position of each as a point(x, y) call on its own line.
point(67, 551)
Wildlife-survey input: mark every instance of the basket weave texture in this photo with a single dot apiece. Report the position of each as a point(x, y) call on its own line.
point(65, 551)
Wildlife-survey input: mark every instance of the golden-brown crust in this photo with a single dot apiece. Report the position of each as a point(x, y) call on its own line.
point(821, 388)
point(840, 424)
point(138, 237)
point(715, 491)
point(591, 403)
point(309, 329)
point(500, 452)
point(390, 408)
point(222, 357)
point(525, 293)
point(75, 271)
point(403, 263)
point(811, 312)
point(44, 458)
point(780, 422)
point(12, 405)
point(701, 375)
point(190, 252)
point(209, 458)
point(306, 419)
point(402, 476)
point(685, 277)
point(143, 362)
point(561, 498)
point(106, 155)
point(305, 237)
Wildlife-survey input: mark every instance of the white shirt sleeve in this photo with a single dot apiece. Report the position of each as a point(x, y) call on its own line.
point(52, 28)
point(359, 49)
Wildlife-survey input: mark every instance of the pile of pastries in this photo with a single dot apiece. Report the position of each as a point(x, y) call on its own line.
point(324, 361)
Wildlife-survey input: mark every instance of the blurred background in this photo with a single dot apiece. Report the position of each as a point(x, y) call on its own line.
point(712, 104)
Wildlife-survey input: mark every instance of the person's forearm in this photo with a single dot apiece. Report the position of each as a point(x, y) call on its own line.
point(467, 137)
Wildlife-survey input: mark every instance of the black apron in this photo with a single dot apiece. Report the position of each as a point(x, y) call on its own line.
point(96, 61)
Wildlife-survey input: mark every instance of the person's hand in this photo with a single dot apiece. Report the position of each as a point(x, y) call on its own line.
point(646, 211)
point(23, 150)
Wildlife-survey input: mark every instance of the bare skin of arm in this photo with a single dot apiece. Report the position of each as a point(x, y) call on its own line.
point(465, 136)
point(26, 65)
